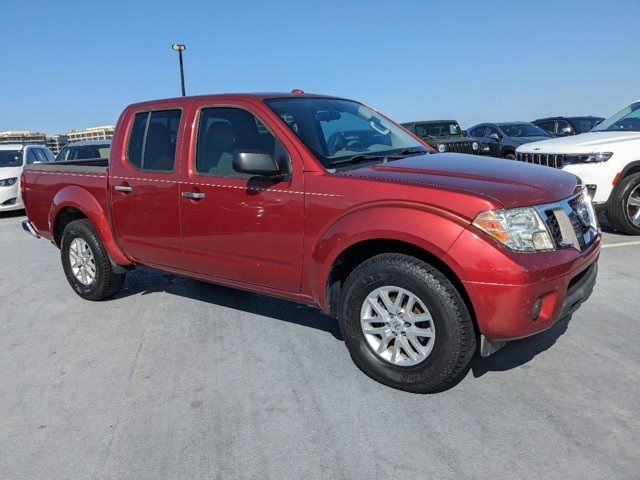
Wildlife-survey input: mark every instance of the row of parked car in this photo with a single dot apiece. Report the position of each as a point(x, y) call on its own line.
point(604, 153)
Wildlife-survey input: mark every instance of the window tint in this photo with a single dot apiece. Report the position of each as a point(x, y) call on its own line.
point(478, 132)
point(548, 126)
point(563, 124)
point(49, 155)
point(154, 135)
point(40, 155)
point(224, 130)
point(491, 130)
point(31, 156)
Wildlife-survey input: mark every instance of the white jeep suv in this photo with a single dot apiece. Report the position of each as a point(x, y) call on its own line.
point(607, 159)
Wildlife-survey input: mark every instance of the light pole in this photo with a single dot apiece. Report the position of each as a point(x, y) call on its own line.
point(179, 47)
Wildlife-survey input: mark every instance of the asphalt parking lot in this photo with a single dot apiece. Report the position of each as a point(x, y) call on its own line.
point(178, 379)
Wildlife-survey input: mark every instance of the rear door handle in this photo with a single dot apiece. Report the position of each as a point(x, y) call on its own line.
point(123, 188)
point(193, 195)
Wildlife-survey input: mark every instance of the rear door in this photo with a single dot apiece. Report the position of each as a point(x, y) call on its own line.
point(145, 192)
point(235, 226)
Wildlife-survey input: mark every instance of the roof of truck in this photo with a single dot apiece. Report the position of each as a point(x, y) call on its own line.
point(240, 96)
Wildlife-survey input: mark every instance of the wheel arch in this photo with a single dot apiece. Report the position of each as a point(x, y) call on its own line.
point(73, 203)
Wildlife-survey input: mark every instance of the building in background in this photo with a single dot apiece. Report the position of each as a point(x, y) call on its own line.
point(56, 142)
point(94, 133)
point(22, 136)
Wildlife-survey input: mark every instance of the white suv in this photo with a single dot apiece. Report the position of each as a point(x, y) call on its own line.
point(607, 159)
point(13, 158)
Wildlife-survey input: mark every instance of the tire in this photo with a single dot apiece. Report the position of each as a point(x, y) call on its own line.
point(453, 342)
point(105, 281)
point(618, 211)
point(510, 156)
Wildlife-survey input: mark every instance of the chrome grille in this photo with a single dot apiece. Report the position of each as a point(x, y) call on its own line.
point(555, 160)
point(567, 212)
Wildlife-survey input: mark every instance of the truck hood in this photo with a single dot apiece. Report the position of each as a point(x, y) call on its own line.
point(584, 143)
point(510, 183)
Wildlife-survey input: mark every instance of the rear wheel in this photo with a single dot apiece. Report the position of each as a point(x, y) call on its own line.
point(86, 263)
point(624, 208)
point(510, 156)
point(405, 325)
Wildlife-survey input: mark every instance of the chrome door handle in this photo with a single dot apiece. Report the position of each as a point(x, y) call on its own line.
point(123, 188)
point(193, 195)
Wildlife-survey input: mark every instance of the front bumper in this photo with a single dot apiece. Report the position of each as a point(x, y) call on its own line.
point(10, 198)
point(518, 295)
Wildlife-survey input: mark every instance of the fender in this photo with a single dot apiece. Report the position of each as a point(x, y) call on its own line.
point(428, 228)
point(85, 202)
point(633, 165)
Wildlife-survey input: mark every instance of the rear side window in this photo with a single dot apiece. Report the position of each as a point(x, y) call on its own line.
point(152, 145)
point(31, 157)
point(479, 132)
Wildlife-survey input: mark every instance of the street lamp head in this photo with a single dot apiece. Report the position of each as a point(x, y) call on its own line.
point(178, 47)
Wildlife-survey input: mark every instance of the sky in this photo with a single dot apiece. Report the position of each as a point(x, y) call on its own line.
point(71, 65)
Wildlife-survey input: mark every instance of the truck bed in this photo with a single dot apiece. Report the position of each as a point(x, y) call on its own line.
point(48, 185)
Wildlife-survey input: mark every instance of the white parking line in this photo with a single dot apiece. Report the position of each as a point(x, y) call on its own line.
point(621, 244)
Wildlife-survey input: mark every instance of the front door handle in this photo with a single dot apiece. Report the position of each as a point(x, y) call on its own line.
point(123, 188)
point(193, 195)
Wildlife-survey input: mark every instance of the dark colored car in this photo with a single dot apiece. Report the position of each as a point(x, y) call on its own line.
point(565, 126)
point(444, 136)
point(502, 139)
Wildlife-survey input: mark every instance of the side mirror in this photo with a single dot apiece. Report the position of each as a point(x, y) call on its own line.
point(566, 131)
point(495, 136)
point(255, 162)
point(464, 133)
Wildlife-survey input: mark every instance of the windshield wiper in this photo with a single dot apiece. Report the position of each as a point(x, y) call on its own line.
point(357, 159)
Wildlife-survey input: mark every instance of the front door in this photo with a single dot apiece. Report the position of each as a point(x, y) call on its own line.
point(235, 226)
point(145, 192)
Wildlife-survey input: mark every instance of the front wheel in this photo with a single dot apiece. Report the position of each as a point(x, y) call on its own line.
point(624, 207)
point(510, 156)
point(405, 325)
point(86, 263)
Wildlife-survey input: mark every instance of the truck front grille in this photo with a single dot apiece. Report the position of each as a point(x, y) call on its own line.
point(461, 147)
point(576, 233)
point(555, 160)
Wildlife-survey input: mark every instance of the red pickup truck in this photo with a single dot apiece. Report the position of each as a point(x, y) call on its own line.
point(322, 200)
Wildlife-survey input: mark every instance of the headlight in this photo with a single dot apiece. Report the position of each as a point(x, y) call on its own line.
point(588, 157)
point(520, 229)
point(442, 148)
point(7, 182)
point(474, 145)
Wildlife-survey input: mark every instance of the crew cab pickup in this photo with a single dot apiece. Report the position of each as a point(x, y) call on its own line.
point(321, 200)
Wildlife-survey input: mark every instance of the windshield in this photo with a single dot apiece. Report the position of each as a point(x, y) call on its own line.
point(627, 119)
point(522, 130)
point(342, 131)
point(442, 129)
point(83, 152)
point(10, 158)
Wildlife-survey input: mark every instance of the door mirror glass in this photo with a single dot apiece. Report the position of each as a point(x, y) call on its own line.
point(255, 162)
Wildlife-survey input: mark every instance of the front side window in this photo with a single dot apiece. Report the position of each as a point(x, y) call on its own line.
point(479, 132)
point(522, 130)
point(547, 126)
point(627, 119)
point(225, 130)
point(41, 156)
point(10, 158)
point(152, 144)
point(342, 131)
